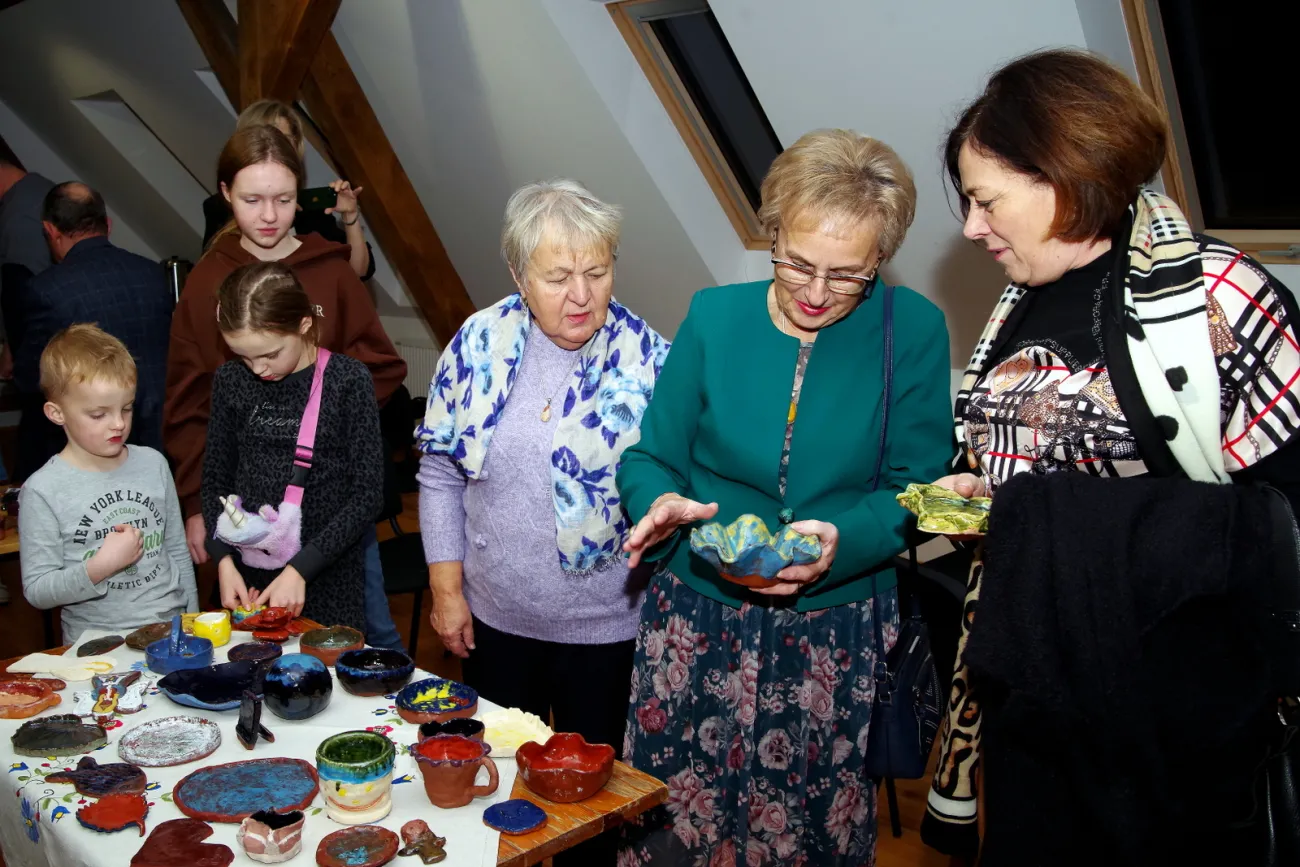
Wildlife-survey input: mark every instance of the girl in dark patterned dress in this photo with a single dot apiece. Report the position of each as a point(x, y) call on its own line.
point(254, 453)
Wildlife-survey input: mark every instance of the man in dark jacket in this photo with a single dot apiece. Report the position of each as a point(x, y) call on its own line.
point(93, 281)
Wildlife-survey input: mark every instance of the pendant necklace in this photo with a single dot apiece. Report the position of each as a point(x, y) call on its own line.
point(546, 410)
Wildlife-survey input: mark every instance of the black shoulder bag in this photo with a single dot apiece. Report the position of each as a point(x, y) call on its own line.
point(905, 716)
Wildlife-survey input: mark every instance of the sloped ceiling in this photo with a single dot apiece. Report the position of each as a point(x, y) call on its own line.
point(480, 96)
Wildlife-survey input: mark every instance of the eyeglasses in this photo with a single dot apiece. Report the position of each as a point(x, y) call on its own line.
point(802, 275)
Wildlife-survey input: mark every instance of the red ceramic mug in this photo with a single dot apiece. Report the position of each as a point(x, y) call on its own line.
point(449, 764)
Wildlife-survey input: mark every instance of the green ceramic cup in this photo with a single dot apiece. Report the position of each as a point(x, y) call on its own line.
point(356, 776)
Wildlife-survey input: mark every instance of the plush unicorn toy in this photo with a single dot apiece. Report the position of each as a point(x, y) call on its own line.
point(267, 538)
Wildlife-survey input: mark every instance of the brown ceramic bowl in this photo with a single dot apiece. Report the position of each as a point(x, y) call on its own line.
point(328, 643)
point(435, 699)
point(20, 699)
point(566, 768)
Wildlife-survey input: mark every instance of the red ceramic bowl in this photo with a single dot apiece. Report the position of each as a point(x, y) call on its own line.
point(329, 643)
point(566, 769)
point(20, 699)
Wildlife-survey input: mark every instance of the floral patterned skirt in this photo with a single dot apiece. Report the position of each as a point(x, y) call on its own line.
point(757, 718)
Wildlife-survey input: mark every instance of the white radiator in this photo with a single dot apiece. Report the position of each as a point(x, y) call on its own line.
point(421, 360)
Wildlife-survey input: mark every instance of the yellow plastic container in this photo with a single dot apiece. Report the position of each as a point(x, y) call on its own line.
point(214, 626)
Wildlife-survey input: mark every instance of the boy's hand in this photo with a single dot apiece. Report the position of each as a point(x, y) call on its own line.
point(234, 592)
point(123, 547)
point(288, 590)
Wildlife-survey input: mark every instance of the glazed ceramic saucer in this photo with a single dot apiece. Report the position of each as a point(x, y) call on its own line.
point(514, 817)
point(234, 791)
point(435, 700)
point(358, 846)
point(60, 735)
point(172, 740)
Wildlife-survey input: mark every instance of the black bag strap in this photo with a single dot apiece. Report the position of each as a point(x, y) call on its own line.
point(881, 670)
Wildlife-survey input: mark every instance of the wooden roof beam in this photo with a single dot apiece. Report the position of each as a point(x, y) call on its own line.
point(277, 41)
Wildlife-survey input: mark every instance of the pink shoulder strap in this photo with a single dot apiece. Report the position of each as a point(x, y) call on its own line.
point(307, 431)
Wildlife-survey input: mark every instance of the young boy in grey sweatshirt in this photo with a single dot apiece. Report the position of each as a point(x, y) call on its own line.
point(100, 525)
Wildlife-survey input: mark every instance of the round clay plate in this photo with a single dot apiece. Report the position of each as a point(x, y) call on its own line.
point(358, 846)
point(172, 740)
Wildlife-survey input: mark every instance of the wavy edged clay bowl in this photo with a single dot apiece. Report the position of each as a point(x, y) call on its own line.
point(745, 552)
point(328, 643)
point(435, 700)
point(373, 671)
point(20, 699)
point(566, 768)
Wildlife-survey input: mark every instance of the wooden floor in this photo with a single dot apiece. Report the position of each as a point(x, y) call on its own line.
point(21, 632)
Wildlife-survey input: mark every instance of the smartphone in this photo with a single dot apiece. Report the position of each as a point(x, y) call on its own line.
point(317, 198)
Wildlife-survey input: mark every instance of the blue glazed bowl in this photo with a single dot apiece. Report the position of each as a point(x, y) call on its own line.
point(193, 653)
point(298, 686)
point(373, 671)
point(746, 553)
point(217, 687)
point(435, 700)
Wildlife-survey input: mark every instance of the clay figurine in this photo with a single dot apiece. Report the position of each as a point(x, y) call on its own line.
point(105, 704)
point(96, 646)
point(266, 538)
point(421, 841)
point(114, 812)
point(59, 735)
point(180, 841)
point(250, 728)
point(271, 837)
point(94, 780)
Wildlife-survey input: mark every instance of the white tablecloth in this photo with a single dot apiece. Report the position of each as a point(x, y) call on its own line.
point(39, 828)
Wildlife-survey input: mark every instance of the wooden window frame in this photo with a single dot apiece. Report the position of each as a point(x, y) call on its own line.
point(1146, 37)
point(632, 18)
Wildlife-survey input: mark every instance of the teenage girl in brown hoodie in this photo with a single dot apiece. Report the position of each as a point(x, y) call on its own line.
point(260, 174)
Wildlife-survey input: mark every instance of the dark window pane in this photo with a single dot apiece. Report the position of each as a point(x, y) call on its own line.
point(1235, 90)
point(711, 74)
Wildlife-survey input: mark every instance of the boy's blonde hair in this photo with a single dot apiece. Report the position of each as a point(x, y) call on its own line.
point(82, 353)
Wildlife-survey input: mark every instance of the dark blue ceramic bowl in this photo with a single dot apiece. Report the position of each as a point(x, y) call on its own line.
point(297, 686)
point(373, 671)
point(191, 653)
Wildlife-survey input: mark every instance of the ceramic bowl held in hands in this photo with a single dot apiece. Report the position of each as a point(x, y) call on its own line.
point(328, 643)
point(745, 553)
point(566, 768)
point(373, 671)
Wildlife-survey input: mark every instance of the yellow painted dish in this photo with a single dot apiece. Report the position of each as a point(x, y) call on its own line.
point(214, 626)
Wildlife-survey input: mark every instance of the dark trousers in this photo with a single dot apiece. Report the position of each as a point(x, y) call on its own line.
point(585, 686)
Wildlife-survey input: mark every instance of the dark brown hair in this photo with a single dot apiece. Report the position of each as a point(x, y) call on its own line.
point(264, 296)
point(75, 209)
point(1068, 118)
point(252, 146)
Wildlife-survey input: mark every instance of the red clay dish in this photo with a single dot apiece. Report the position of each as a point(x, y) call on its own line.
point(180, 841)
point(566, 769)
point(279, 636)
point(20, 699)
point(94, 780)
point(53, 682)
point(114, 812)
point(358, 846)
point(267, 618)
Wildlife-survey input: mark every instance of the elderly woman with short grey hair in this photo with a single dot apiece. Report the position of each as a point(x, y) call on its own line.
point(529, 412)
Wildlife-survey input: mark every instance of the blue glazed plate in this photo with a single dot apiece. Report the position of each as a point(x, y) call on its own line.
point(436, 695)
point(745, 552)
point(218, 687)
point(234, 791)
point(515, 816)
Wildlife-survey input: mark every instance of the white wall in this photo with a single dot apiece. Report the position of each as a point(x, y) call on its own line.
point(481, 96)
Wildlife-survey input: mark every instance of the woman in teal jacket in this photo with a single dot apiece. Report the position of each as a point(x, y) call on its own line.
point(755, 705)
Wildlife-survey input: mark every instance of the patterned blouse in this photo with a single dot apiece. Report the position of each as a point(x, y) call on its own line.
point(1046, 403)
point(800, 368)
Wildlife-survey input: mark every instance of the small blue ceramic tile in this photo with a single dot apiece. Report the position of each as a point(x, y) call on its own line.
point(515, 816)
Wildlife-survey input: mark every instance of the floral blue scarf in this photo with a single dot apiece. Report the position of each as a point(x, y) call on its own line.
point(600, 416)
